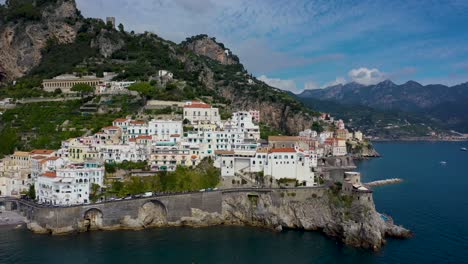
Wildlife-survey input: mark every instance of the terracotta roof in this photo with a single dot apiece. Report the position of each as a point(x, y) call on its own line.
point(137, 122)
point(175, 135)
point(53, 158)
point(283, 138)
point(120, 120)
point(197, 105)
point(132, 140)
point(42, 151)
point(50, 174)
point(281, 150)
point(111, 128)
point(39, 157)
point(144, 137)
point(264, 150)
point(224, 152)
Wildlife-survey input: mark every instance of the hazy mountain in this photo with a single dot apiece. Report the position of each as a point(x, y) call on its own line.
point(449, 105)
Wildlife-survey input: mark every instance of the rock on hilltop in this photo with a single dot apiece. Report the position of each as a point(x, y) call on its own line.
point(23, 36)
point(206, 46)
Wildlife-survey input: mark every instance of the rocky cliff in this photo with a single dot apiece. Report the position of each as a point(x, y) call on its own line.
point(206, 46)
point(201, 61)
point(352, 220)
point(21, 39)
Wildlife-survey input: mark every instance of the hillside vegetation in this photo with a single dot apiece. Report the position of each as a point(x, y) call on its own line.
point(201, 66)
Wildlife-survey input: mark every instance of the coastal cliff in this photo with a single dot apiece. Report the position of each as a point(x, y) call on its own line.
point(349, 218)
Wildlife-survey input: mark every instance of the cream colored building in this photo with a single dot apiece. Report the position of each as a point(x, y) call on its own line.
point(67, 81)
point(200, 112)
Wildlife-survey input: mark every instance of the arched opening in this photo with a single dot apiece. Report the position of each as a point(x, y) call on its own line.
point(93, 219)
point(152, 213)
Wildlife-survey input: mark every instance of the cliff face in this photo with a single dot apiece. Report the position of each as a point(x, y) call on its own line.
point(353, 221)
point(106, 44)
point(206, 46)
point(231, 82)
point(21, 41)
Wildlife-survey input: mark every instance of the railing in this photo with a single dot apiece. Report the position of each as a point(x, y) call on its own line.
point(162, 194)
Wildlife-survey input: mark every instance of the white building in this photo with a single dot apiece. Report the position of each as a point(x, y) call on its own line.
point(278, 163)
point(113, 87)
point(69, 185)
point(165, 74)
point(163, 129)
point(358, 135)
point(199, 112)
point(291, 163)
point(308, 133)
point(339, 147)
point(242, 121)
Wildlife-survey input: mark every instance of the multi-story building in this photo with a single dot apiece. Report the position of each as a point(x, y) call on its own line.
point(163, 129)
point(113, 87)
point(291, 163)
point(277, 163)
point(69, 185)
point(255, 115)
point(200, 112)
point(67, 81)
point(358, 135)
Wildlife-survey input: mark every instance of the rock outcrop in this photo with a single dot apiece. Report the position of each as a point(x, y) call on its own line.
point(21, 41)
point(354, 222)
point(206, 46)
point(106, 43)
point(351, 218)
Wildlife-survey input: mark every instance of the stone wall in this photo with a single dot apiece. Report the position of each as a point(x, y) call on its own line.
point(353, 221)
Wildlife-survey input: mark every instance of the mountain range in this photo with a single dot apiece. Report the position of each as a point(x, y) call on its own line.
point(445, 106)
point(44, 38)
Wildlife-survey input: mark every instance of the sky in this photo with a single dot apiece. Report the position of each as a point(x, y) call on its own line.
point(296, 44)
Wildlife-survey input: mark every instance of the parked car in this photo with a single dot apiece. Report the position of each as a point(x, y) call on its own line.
point(147, 194)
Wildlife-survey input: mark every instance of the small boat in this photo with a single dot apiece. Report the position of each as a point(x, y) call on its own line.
point(463, 149)
point(443, 163)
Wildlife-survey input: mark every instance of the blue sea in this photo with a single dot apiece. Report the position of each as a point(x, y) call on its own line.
point(432, 202)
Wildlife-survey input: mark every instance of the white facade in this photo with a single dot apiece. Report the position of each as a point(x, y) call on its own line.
point(283, 163)
point(163, 129)
point(69, 185)
point(165, 74)
point(358, 135)
point(308, 133)
point(113, 87)
point(289, 163)
point(199, 112)
point(242, 121)
point(339, 148)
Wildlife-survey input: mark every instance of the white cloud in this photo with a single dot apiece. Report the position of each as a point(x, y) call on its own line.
point(366, 76)
point(338, 80)
point(286, 85)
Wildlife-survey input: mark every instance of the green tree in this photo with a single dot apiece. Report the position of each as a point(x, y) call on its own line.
point(31, 192)
point(110, 168)
point(83, 89)
point(144, 89)
point(121, 28)
point(316, 126)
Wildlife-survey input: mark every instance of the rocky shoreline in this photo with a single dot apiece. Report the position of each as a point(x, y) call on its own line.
point(349, 219)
